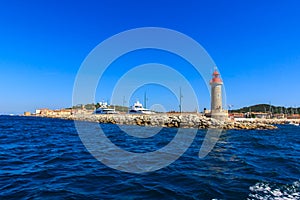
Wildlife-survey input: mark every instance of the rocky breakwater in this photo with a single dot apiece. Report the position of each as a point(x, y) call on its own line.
point(268, 121)
point(172, 120)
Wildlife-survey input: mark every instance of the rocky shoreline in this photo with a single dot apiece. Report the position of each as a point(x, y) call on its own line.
point(177, 121)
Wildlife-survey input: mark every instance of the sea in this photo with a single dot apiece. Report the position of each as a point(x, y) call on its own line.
point(43, 158)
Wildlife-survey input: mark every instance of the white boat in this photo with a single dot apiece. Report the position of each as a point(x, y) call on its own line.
point(292, 123)
point(138, 108)
point(103, 109)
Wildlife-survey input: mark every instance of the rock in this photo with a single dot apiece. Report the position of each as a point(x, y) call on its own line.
point(173, 120)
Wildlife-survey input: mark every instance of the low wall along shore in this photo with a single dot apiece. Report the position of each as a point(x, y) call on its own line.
point(175, 120)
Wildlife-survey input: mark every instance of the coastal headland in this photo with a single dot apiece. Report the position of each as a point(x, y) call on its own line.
point(176, 120)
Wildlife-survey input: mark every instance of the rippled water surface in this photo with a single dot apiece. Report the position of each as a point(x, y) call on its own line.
point(45, 159)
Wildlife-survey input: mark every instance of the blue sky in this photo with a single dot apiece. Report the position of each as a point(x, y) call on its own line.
point(255, 44)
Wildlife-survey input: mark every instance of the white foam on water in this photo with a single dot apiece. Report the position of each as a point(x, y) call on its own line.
point(269, 191)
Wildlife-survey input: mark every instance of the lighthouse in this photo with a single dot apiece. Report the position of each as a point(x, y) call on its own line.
point(216, 97)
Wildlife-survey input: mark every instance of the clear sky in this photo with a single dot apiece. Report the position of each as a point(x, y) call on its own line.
point(255, 44)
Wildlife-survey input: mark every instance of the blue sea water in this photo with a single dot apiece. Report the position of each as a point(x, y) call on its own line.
point(45, 159)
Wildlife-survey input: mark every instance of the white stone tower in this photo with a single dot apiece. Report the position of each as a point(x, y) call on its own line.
point(216, 97)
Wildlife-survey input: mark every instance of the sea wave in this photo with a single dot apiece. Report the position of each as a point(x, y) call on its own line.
point(45, 158)
point(275, 191)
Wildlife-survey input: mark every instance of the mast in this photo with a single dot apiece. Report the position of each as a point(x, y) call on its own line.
point(180, 100)
point(145, 99)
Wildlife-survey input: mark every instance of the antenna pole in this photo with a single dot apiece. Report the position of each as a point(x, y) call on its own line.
point(145, 99)
point(180, 100)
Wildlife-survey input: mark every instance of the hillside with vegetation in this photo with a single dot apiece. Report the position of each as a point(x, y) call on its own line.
point(92, 106)
point(268, 108)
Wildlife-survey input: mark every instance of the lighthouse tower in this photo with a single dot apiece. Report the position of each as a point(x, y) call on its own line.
point(216, 97)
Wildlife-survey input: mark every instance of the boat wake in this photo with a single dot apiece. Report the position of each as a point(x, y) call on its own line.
point(264, 191)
